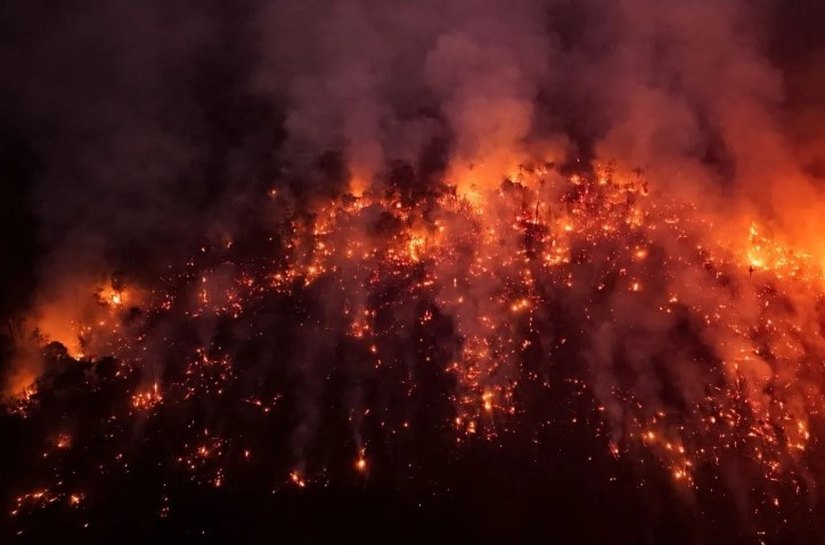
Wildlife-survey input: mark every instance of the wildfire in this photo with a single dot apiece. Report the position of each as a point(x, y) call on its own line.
point(495, 288)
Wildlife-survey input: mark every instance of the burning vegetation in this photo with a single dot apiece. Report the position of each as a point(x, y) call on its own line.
point(545, 303)
point(486, 270)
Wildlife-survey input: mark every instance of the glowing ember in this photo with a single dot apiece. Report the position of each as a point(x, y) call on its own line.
point(147, 399)
point(63, 441)
point(495, 290)
point(296, 478)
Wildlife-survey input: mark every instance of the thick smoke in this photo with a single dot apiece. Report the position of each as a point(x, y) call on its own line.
point(155, 122)
point(154, 130)
point(157, 125)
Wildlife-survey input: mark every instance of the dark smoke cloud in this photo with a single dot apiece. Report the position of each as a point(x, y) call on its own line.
point(155, 122)
point(139, 118)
